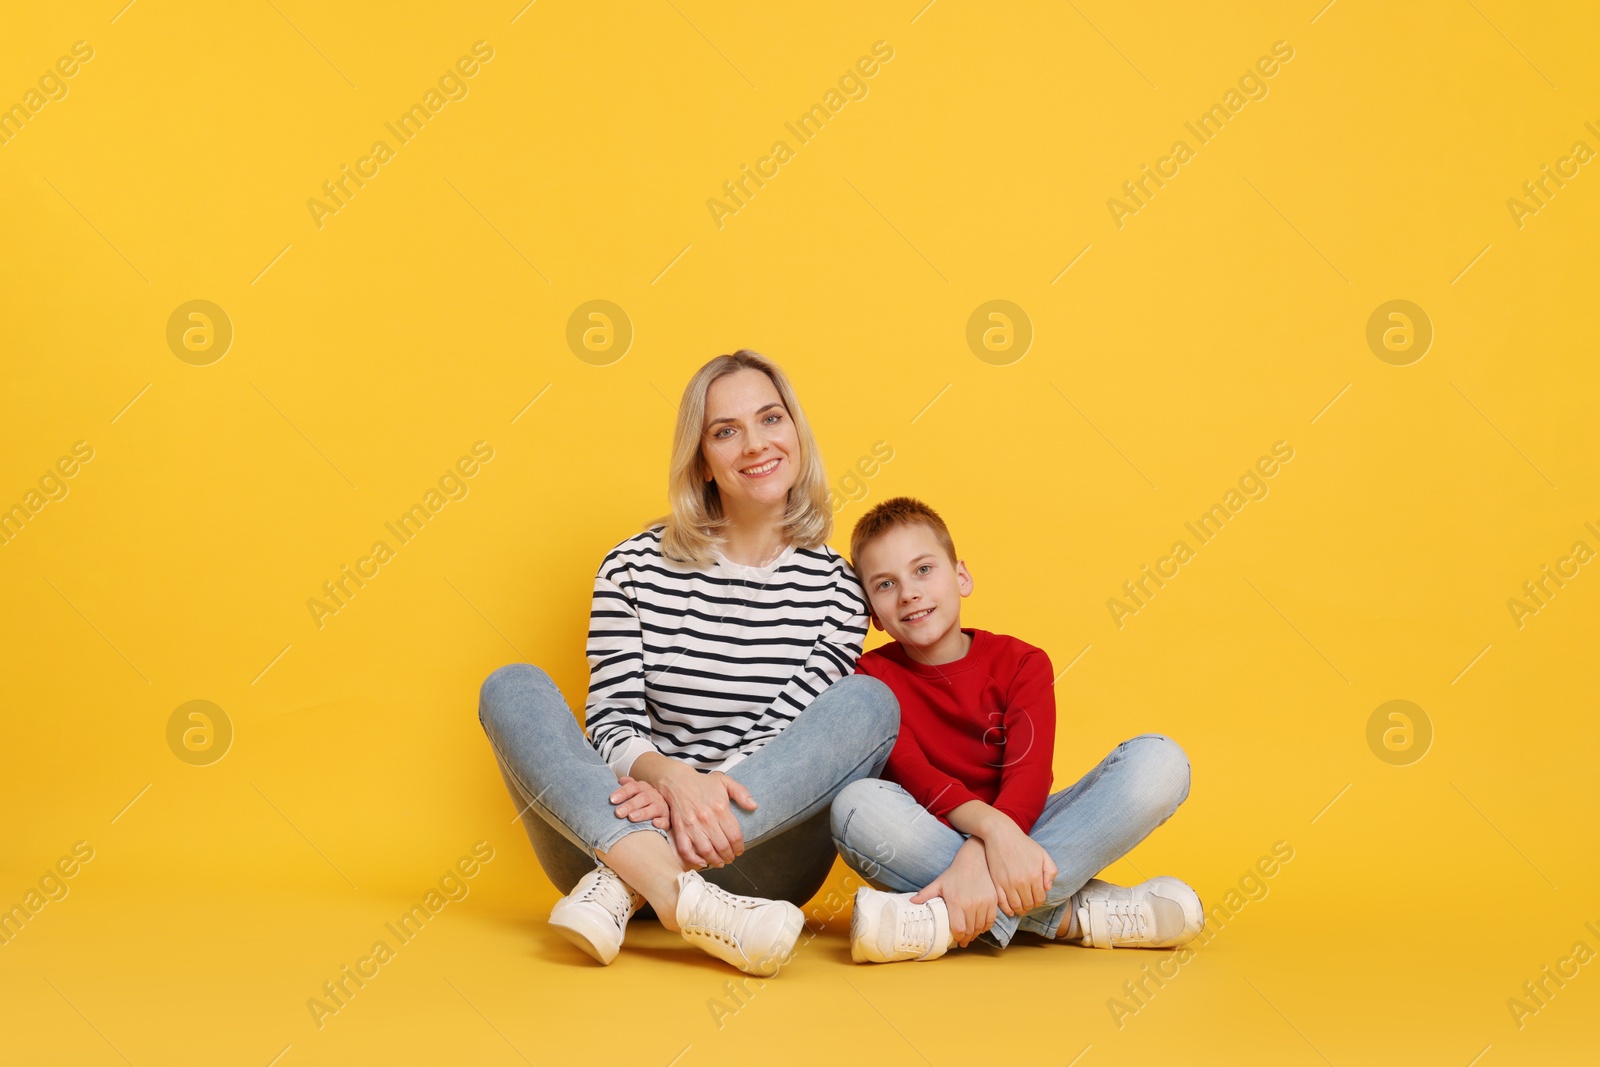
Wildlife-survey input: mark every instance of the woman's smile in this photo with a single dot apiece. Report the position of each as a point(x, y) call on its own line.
point(749, 436)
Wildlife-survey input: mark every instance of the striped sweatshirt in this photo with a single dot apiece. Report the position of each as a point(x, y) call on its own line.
point(707, 665)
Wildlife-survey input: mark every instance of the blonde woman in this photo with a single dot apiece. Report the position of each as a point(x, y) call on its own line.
point(723, 713)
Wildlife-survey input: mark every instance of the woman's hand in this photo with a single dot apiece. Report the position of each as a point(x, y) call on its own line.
point(1021, 869)
point(968, 892)
point(704, 827)
point(637, 801)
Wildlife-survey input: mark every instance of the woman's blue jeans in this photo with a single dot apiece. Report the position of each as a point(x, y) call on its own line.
point(561, 785)
point(897, 846)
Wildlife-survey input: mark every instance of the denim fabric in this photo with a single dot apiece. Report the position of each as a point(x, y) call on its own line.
point(897, 846)
point(561, 785)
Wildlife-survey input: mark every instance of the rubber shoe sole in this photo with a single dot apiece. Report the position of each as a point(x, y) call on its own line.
point(857, 922)
point(768, 966)
point(581, 939)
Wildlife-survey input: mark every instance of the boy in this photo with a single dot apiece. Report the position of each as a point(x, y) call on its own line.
point(961, 825)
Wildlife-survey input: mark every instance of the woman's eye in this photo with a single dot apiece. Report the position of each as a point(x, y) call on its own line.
point(774, 417)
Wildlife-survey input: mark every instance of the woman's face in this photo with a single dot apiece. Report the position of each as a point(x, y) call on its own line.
point(749, 443)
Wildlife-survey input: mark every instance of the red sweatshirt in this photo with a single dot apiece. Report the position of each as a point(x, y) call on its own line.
point(980, 728)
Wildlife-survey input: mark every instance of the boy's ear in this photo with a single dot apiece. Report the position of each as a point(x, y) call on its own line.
point(877, 624)
point(963, 578)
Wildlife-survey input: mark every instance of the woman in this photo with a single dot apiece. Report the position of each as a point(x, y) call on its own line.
point(723, 715)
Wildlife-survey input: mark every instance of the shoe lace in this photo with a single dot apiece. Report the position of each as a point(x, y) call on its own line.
point(611, 893)
point(1126, 919)
point(722, 915)
point(917, 928)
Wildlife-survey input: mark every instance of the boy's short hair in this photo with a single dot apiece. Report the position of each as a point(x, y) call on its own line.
point(893, 513)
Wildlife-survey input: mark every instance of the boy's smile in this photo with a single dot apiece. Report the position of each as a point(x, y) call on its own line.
point(915, 591)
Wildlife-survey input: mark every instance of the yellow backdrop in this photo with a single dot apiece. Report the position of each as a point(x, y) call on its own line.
point(1306, 290)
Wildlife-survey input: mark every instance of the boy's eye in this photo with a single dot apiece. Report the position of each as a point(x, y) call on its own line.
point(886, 583)
point(925, 568)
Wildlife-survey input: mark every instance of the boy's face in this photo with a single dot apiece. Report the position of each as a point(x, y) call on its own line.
point(913, 587)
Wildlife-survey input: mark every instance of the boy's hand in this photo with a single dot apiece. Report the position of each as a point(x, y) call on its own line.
point(1021, 869)
point(637, 801)
point(968, 892)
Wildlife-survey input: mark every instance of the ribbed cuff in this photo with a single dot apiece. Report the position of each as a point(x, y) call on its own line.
point(621, 761)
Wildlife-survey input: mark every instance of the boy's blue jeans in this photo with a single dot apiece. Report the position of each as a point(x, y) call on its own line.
point(897, 846)
point(561, 785)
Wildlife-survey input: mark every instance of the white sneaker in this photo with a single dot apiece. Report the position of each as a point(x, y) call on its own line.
point(594, 916)
point(755, 935)
point(887, 928)
point(1160, 913)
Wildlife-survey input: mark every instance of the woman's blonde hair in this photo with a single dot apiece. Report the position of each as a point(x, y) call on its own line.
point(692, 528)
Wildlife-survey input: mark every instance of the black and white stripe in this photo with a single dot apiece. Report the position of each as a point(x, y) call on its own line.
point(707, 665)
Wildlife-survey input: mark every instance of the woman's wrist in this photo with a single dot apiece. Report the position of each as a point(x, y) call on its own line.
point(657, 769)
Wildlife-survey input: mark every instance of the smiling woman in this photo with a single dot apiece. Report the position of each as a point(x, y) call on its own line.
point(723, 715)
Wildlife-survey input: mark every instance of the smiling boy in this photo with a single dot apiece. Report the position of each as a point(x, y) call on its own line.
point(962, 837)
